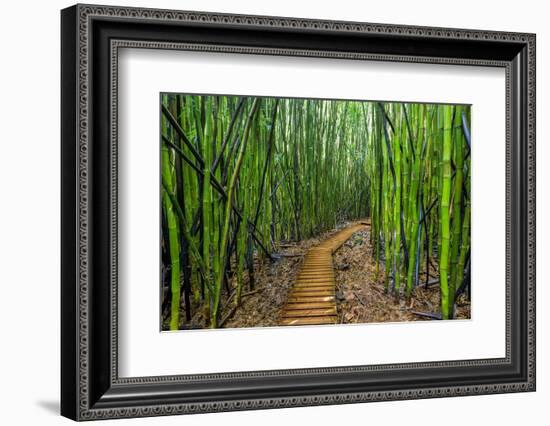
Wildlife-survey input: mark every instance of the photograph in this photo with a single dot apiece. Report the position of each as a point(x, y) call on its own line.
point(283, 212)
point(273, 208)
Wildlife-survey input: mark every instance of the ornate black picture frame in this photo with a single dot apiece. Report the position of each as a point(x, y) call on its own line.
point(91, 36)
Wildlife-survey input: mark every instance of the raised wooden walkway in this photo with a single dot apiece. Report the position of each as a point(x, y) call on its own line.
point(312, 299)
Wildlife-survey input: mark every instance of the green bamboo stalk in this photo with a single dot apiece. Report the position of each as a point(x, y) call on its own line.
point(174, 264)
point(414, 211)
point(184, 227)
point(240, 254)
point(174, 250)
point(445, 210)
point(227, 215)
point(465, 236)
point(206, 209)
point(397, 215)
point(457, 211)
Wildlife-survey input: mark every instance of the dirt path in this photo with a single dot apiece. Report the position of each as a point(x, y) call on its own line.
point(312, 298)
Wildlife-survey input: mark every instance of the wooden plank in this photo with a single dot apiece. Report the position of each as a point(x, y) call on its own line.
point(313, 287)
point(307, 283)
point(318, 293)
point(317, 270)
point(311, 299)
point(318, 256)
point(319, 312)
point(315, 282)
point(305, 305)
point(317, 259)
point(324, 258)
point(312, 292)
point(317, 273)
point(313, 278)
point(301, 280)
point(309, 321)
point(325, 263)
point(318, 266)
point(329, 280)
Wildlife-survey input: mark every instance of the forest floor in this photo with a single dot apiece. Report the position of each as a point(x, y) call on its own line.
point(361, 297)
point(360, 294)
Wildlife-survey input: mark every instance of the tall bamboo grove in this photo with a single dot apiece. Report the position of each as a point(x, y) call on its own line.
point(241, 174)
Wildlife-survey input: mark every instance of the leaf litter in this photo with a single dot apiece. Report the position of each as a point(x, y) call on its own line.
point(360, 293)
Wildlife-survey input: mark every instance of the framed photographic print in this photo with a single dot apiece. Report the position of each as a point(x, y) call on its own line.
point(263, 212)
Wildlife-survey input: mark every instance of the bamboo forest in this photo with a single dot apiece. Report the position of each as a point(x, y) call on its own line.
point(290, 212)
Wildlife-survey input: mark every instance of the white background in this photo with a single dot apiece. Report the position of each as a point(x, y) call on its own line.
point(29, 213)
point(140, 343)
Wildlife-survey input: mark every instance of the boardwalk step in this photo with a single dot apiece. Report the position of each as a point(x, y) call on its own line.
point(319, 312)
point(309, 320)
point(315, 279)
point(321, 278)
point(306, 305)
point(317, 293)
point(316, 274)
point(306, 283)
point(311, 299)
point(316, 287)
